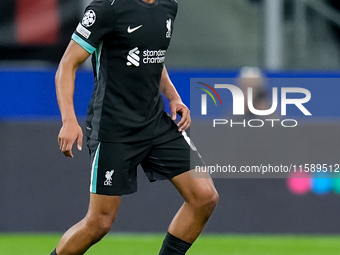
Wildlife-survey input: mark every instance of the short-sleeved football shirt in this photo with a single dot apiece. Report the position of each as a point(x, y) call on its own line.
point(128, 40)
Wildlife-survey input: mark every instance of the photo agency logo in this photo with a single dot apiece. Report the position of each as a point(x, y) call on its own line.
point(294, 96)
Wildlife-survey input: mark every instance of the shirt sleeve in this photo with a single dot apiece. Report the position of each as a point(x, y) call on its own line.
point(95, 24)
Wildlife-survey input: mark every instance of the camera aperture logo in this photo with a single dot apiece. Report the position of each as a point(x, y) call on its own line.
point(204, 97)
point(239, 103)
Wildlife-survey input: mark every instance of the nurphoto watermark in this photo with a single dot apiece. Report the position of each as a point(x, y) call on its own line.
point(283, 126)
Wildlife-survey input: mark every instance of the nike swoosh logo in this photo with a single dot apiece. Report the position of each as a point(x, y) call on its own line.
point(131, 30)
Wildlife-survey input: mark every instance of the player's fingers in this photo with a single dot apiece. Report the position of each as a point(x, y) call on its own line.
point(68, 154)
point(80, 141)
point(61, 143)
point(186, 124)
point(185, 121)
point(67, 149)
point(184, 114)
point(173, 110)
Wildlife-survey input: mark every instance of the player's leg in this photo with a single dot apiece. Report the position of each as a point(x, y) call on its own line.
point(96, 224)
point(113, 174)
point(200, 198)
point(171, 159)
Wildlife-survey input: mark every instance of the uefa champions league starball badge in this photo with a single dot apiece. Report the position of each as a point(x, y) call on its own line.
point(89, 18)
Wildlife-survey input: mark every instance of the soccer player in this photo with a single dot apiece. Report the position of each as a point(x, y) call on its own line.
point(126, 124)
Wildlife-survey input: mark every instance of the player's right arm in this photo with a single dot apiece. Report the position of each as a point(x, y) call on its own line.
point(70, 132)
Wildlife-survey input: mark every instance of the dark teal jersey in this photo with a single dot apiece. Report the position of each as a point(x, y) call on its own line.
point(128, 40)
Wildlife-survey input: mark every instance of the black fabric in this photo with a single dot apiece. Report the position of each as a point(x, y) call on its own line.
point(114, 165)
point(54, 252)
point(130, 39)
point(174, 246)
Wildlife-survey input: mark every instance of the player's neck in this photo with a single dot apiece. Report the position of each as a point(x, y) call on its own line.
point(149, 1)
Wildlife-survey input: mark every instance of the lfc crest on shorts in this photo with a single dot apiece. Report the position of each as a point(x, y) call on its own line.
point(108, 177)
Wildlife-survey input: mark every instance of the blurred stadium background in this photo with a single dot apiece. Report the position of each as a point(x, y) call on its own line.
point(43, 192)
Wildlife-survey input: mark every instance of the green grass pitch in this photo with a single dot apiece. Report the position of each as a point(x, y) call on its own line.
point(145, 244)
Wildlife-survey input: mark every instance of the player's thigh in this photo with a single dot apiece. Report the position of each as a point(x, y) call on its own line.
point(195, 189)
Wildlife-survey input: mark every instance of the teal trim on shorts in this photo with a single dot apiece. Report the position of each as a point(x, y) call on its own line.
point(93, 187)
point(85, 45)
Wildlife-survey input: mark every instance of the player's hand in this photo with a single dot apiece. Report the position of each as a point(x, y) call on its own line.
point(69, 133)
point(177, 107)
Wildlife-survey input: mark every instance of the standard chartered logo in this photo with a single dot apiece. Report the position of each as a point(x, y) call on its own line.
point(133, 57)
point(148, 57)
point(153, 56)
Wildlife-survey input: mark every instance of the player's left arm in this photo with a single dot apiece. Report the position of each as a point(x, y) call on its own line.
point(176, 105)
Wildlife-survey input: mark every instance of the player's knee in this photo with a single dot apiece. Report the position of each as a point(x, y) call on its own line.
point(206, 200)
point(211, 200)
point(99, 225)
point(104, 228)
